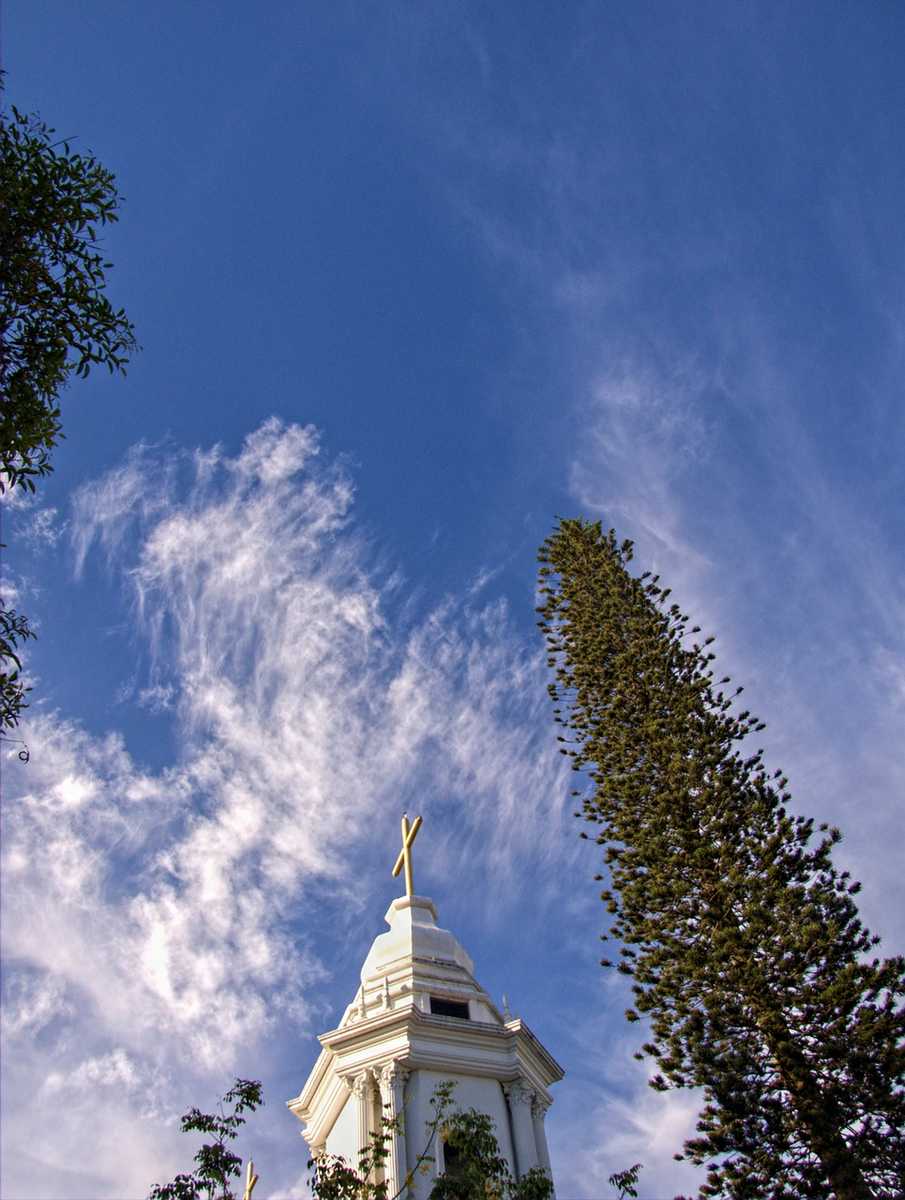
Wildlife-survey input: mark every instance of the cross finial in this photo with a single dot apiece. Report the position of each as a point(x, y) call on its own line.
point(250, 1180)
point(405, 854)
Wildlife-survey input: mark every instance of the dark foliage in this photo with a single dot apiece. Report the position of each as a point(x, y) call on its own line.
point(741, 937)
point(14, 630)
point(479, 1173)
point(55, 318)
point(216, 1164)
point(333, 1178)
point(626, 1182)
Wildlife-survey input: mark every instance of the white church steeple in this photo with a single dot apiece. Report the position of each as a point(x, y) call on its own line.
point(418, 1018)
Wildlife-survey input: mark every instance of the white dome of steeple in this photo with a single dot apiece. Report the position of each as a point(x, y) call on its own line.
point(418, 1018)
point(413, 934)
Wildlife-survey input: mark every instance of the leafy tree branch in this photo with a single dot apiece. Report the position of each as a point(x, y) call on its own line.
point(216, 1164)
point(56, 320)
point(478, 1171)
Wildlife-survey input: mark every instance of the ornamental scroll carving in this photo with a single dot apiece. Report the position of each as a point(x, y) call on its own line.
point(361, 1084)
point(393, 1074)
point(519, 1093)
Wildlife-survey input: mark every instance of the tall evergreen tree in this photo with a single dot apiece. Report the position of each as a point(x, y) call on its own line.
point(740, 935)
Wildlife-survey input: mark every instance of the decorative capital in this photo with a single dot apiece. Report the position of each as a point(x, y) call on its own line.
point(519, 1092)
point(393, 1074)
point(362, 1083)
point(539, 1106)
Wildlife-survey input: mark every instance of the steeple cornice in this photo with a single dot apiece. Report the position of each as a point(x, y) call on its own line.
point(420, 1016)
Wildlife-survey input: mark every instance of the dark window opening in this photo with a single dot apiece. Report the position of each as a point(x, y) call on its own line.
point(452, 1161)
point(449, 1008)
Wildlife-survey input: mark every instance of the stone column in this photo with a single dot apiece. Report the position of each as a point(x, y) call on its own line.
point(521, 1098)
point(538, 1114)
point(363, 1090)
point(316, 1152)
point(418, 1114)
point(392, 1093)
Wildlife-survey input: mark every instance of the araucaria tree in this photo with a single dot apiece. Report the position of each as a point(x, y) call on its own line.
point(740, 935)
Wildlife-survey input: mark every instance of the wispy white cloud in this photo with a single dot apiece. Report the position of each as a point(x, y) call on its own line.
point(693, 417)
point(41, 527)
point(169, 908)
point(645, 434)
point(13, 497)
point(806, 616)
point(115, 1069)
point(155, 915)
point(617, 1132)
point(712, 446)
point(31, 1001)
point(157, 698)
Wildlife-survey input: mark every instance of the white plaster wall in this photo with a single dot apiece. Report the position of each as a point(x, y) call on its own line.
point(343, 1137)
point(472, 1091)
point(481, 1011)
point(415, 1116)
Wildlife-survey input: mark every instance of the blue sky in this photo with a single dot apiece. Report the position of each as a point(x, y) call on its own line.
point(410, 281)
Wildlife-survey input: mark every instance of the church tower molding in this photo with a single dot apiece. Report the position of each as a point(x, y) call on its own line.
point(420, 1017)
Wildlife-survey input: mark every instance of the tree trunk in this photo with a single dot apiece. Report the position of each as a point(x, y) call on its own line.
point(818, 1115)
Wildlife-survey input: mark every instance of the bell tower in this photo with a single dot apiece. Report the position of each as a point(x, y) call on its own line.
point(420, 1017)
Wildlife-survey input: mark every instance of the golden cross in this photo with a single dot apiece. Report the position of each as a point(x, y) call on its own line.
point(405, 854)
point(250, 1180)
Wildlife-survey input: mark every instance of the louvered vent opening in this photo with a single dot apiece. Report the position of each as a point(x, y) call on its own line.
point(449, 1008)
